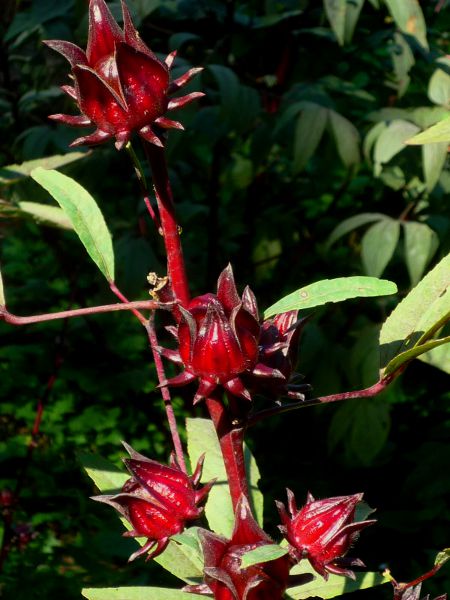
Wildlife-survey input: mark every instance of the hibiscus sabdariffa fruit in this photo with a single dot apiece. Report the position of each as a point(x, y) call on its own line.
point(224, 576)
point(158, 500)
point(323, 531)
point(221, 343)
point(120, 86)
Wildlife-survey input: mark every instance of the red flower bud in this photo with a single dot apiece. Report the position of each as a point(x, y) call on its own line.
point(218, 338)
point(224, 576)
point(157, 500)
point(120, 85)
point(323, 531)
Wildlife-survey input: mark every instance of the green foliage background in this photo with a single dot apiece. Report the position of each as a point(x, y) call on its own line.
point(302, 128)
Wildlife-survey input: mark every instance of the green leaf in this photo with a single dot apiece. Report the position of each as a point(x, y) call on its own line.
point(84, 214)
point(202, 439)
point(137, 593)
point(407, 356)
point(335, 586)
point(182, 558)
point(331, 290)
point(439, 84)
point(13, 173)
point(308, 133)
point(262, 554)
point(439, 357)
point(442, 557)
point(346, 138)
point(48, 215)
point(108, 478)
point(437, 133)
point(433, 160)
point(378, 245)
point(421, 243)
point(402, 61)
point(392, 141)
point(335, 11)
point(352, 12)
point(409, 18)
point(424, 309)
point(352, 223)
point(2, 292)
point(228, 86)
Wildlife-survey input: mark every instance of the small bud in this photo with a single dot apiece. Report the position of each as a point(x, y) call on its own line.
point(323, 531)
point(157, 500)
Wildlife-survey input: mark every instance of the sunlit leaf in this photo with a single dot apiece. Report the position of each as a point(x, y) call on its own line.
point(202, 439)
point(392, 141)
point(409, 18)
point(407, 356)
point(107, 477)
point(331, 290)
point(137, 593)
point(335, 586)
point(440, 132)
point(335, 11)
point(442, 557)
point(439, 84)
point(262, 554)
point(85, 215)
point(47, 215)
point(438, 357)
point(2, 291)
point(13, 173)
point(426, 307)
point(378, 245)
point(434, 157)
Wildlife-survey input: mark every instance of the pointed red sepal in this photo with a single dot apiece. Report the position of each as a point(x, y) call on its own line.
point(183, 100)
point(168, 61)
point(150, 136)
point(71, 120)
point(226, 290)
point(168, 123)
point(104, 33)
point(172, 355)
point(249, 302)
point(202, 589)
point(94, 138)
point(237, 388)
point(71, 52)
point(122, 139)
point(202, 494)
point(262, 370)
point(132, 36)
point(181, 379)
point(205, 389)
point(70, 91)
point(184, 79)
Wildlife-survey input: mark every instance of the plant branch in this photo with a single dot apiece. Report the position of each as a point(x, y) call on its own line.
point(80, 312)
point(232, 445)
point(369, 392)
point(171, 419)
point(169, 226)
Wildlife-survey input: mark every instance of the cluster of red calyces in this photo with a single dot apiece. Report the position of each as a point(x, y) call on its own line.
point(221, 343)
point(323, 531)
point(120, 85)
point(225, 579)
point(157, 500)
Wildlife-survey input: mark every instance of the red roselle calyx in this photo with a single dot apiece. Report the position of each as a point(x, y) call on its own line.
point(323, 531)
point(221, 343)
point(157, 500)
point(224, 577)
point(120, 85)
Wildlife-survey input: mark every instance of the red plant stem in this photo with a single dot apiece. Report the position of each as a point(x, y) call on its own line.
point(232, 445)
point(369, 392)
point(115, 290)
point(170, 230)
point(80, 312)
point(171, 419)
